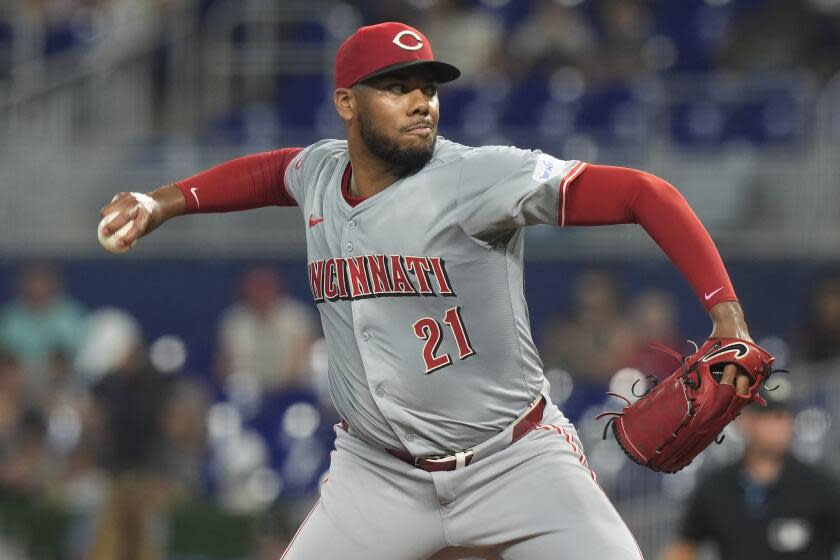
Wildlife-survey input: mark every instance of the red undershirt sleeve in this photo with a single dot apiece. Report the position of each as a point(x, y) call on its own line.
point(604, 195)
point(248, 182)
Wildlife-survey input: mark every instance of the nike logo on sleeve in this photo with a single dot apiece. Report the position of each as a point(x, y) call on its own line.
point(194, 192)
point(709, 295)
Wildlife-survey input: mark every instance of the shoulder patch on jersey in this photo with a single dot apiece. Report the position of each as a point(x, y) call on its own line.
point(547, 167)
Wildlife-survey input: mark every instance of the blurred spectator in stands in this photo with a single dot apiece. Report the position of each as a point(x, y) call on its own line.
point(767, 505)
point(465, 35)
point(784, 36)
point(822, 49)
point(110, 336)
point(75, 441)
point(23, 449)
point(64, 383)
point(184, 439)
point(819, 338)
point(80, 489)
point(24, 465)
point(81, 485)
point(267, 334)
point(594, 340)
point(653, 318)
point(553, 35)
point(766, 37)
point(39, 322)
point(624, 26)
point(132, 399)
point(12, 409)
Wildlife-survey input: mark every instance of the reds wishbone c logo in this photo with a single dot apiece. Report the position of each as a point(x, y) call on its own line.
point(403, 33)
point(739, 348)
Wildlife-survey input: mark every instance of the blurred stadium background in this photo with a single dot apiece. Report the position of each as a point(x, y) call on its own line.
point(215, 455)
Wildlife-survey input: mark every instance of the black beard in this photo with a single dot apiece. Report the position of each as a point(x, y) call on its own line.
point(403, 161)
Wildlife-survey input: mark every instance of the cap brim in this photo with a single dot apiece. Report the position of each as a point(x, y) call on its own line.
point(441, 72)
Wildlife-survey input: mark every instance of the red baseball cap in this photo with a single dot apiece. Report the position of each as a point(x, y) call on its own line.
point(378, 49)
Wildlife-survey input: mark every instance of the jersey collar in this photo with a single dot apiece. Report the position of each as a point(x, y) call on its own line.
point(345, 188)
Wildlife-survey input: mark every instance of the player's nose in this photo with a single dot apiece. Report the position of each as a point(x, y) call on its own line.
point(419, 102)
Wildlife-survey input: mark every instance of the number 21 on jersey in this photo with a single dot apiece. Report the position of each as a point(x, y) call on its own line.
point(429, 329)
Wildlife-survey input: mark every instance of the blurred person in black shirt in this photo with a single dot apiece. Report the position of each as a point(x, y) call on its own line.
point(819, 338)
point(768, 505)
point(132, 400)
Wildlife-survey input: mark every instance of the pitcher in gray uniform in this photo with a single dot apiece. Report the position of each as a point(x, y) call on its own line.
point(449, 446)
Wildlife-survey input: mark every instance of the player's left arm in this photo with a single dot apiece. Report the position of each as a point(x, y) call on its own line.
point(604, 195)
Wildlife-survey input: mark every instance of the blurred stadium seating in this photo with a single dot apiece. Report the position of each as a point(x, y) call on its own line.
point(117, 95)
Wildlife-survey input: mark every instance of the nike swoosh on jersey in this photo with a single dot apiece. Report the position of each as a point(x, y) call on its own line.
point(709, 295)
point(194, 192)
point(314, 220)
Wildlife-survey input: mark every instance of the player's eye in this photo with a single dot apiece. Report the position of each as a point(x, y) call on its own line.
point(430, 91)
point(397, 88)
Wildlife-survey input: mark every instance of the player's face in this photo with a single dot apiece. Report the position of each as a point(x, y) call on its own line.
point(768, 432)
point(397, 118)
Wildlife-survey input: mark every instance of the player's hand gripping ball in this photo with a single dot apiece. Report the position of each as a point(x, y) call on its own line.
point(673, 422)
point(109, 242)
point(133, 206)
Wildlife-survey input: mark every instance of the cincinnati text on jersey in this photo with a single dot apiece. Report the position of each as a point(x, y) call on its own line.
point(368, 276)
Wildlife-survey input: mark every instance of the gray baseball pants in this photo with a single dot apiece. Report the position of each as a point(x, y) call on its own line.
point(534, 499)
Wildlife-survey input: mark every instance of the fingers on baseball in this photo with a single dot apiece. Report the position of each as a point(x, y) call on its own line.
point(128, 209)
point(124, 203)
point(141, 221)
point(116, 223)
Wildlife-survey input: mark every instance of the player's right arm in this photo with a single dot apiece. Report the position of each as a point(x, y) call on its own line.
point(248, 182)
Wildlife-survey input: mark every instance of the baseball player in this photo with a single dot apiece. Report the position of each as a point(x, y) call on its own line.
point(449, 443)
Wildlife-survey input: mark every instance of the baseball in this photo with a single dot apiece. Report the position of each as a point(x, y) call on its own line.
point(110, 242)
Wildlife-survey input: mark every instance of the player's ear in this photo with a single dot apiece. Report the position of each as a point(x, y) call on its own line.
point(345, 103)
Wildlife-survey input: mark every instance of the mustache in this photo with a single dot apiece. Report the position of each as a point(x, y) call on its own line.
point(424, 122)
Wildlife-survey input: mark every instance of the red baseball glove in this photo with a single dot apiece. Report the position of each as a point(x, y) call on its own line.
point(672, 423)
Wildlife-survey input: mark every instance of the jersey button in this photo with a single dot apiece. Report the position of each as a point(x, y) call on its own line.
point(365, 335)
point(351, 224)
point(410, 437)
point(380, 391)
point(349, 247)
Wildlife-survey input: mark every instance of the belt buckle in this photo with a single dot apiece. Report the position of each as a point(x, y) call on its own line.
point(418, 460)
point(461, 459)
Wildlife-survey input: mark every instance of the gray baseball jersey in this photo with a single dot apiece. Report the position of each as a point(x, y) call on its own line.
point(420, 290)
